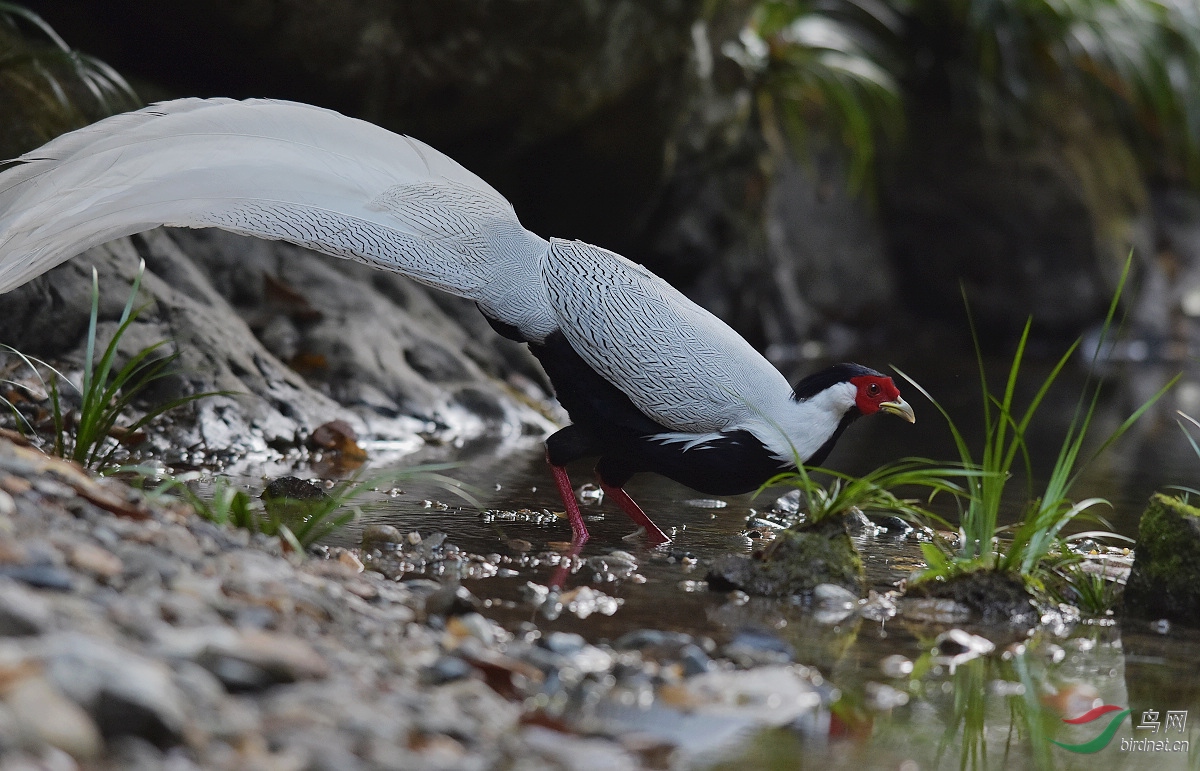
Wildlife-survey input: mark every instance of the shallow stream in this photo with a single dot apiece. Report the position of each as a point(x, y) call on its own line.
point(885, 699)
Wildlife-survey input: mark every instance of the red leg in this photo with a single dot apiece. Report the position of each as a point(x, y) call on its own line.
point(634, 512)
point(579, 533)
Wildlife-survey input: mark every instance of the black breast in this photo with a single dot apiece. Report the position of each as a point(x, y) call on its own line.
point(607, 424)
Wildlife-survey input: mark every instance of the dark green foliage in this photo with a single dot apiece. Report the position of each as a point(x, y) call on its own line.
point(827, 66)
point(1014, 67)
point(298, 523)
point(1094, 593)
point(46, 86)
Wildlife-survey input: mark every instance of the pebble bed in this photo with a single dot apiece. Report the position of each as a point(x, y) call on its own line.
point(140, 636)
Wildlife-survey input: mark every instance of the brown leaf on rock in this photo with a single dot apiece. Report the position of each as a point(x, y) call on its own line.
point(338, 436)
point(287, 298)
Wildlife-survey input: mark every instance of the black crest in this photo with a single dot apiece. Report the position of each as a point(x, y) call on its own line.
point(819, 381)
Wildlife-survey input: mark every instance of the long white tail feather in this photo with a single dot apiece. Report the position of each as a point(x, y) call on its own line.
point(275, 170)
point(286, 171)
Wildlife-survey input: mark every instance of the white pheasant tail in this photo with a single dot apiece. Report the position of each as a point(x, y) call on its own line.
point(276, 170)
point(313, 177)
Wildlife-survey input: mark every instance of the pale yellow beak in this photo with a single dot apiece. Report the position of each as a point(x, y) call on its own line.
point(899, 408)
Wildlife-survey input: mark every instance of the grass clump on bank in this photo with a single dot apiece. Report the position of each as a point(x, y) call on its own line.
point(92, 434)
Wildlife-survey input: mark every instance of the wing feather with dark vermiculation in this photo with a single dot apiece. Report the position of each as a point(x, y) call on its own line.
point(678, 363)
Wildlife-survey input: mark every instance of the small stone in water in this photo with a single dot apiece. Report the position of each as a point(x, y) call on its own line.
point(883, 697)
point(834, 596)
point(694, 660)
point(896, 666)
point(589, 494)
point(705, 503)
point(447, 669)
point(565, 643)
point(380, 534)
point(893, 524)
point(451, 601)
point(956, 646)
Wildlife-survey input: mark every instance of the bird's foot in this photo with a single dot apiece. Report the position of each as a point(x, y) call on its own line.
point(634, 512)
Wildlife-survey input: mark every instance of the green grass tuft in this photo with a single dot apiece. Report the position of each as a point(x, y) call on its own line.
point(1036, 540)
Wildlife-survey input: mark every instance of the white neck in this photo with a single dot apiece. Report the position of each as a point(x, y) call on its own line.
point(791, 429)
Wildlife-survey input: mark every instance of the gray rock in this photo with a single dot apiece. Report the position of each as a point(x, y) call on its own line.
point(125, 693)
point(245, 661)
point(41, 714)
point(22, 612)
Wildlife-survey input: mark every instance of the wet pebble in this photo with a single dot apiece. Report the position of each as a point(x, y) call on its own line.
point(447, 669)
point(694, 660)
point(451, 600)
point(755, 648)
point(473, 625)
point(39, 576)
point(125, 694)
point(590, 495)
point(564, 643)
point(834, 597)
point(957, 646)
point(896, 666)
point(375, 536)
point(892, 524)
point(22, 611)
point(98, 562)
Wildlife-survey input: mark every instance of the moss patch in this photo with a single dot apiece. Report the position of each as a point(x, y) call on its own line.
point(992, 597)
point(795, 563)
point(1165, 581)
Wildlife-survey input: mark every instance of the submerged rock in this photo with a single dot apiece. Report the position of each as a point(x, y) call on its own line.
point(1165, 580)
point(798, 561)
point(991, 597)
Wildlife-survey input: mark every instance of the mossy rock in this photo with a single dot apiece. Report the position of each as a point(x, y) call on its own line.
point(993, 597)
point(795, 563)
point(1165, 580)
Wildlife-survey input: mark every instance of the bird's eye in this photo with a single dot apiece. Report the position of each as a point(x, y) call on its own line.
point(873, 389)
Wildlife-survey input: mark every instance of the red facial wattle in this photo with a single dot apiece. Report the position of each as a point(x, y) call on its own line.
point(876, 392)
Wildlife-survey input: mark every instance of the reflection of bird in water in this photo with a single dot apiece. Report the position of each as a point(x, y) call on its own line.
point(652, 381)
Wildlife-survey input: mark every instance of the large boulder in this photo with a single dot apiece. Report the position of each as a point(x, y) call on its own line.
point(249, 316)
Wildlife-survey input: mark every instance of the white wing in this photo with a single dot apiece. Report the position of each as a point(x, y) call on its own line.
point(276, 170)
point(678, 363)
